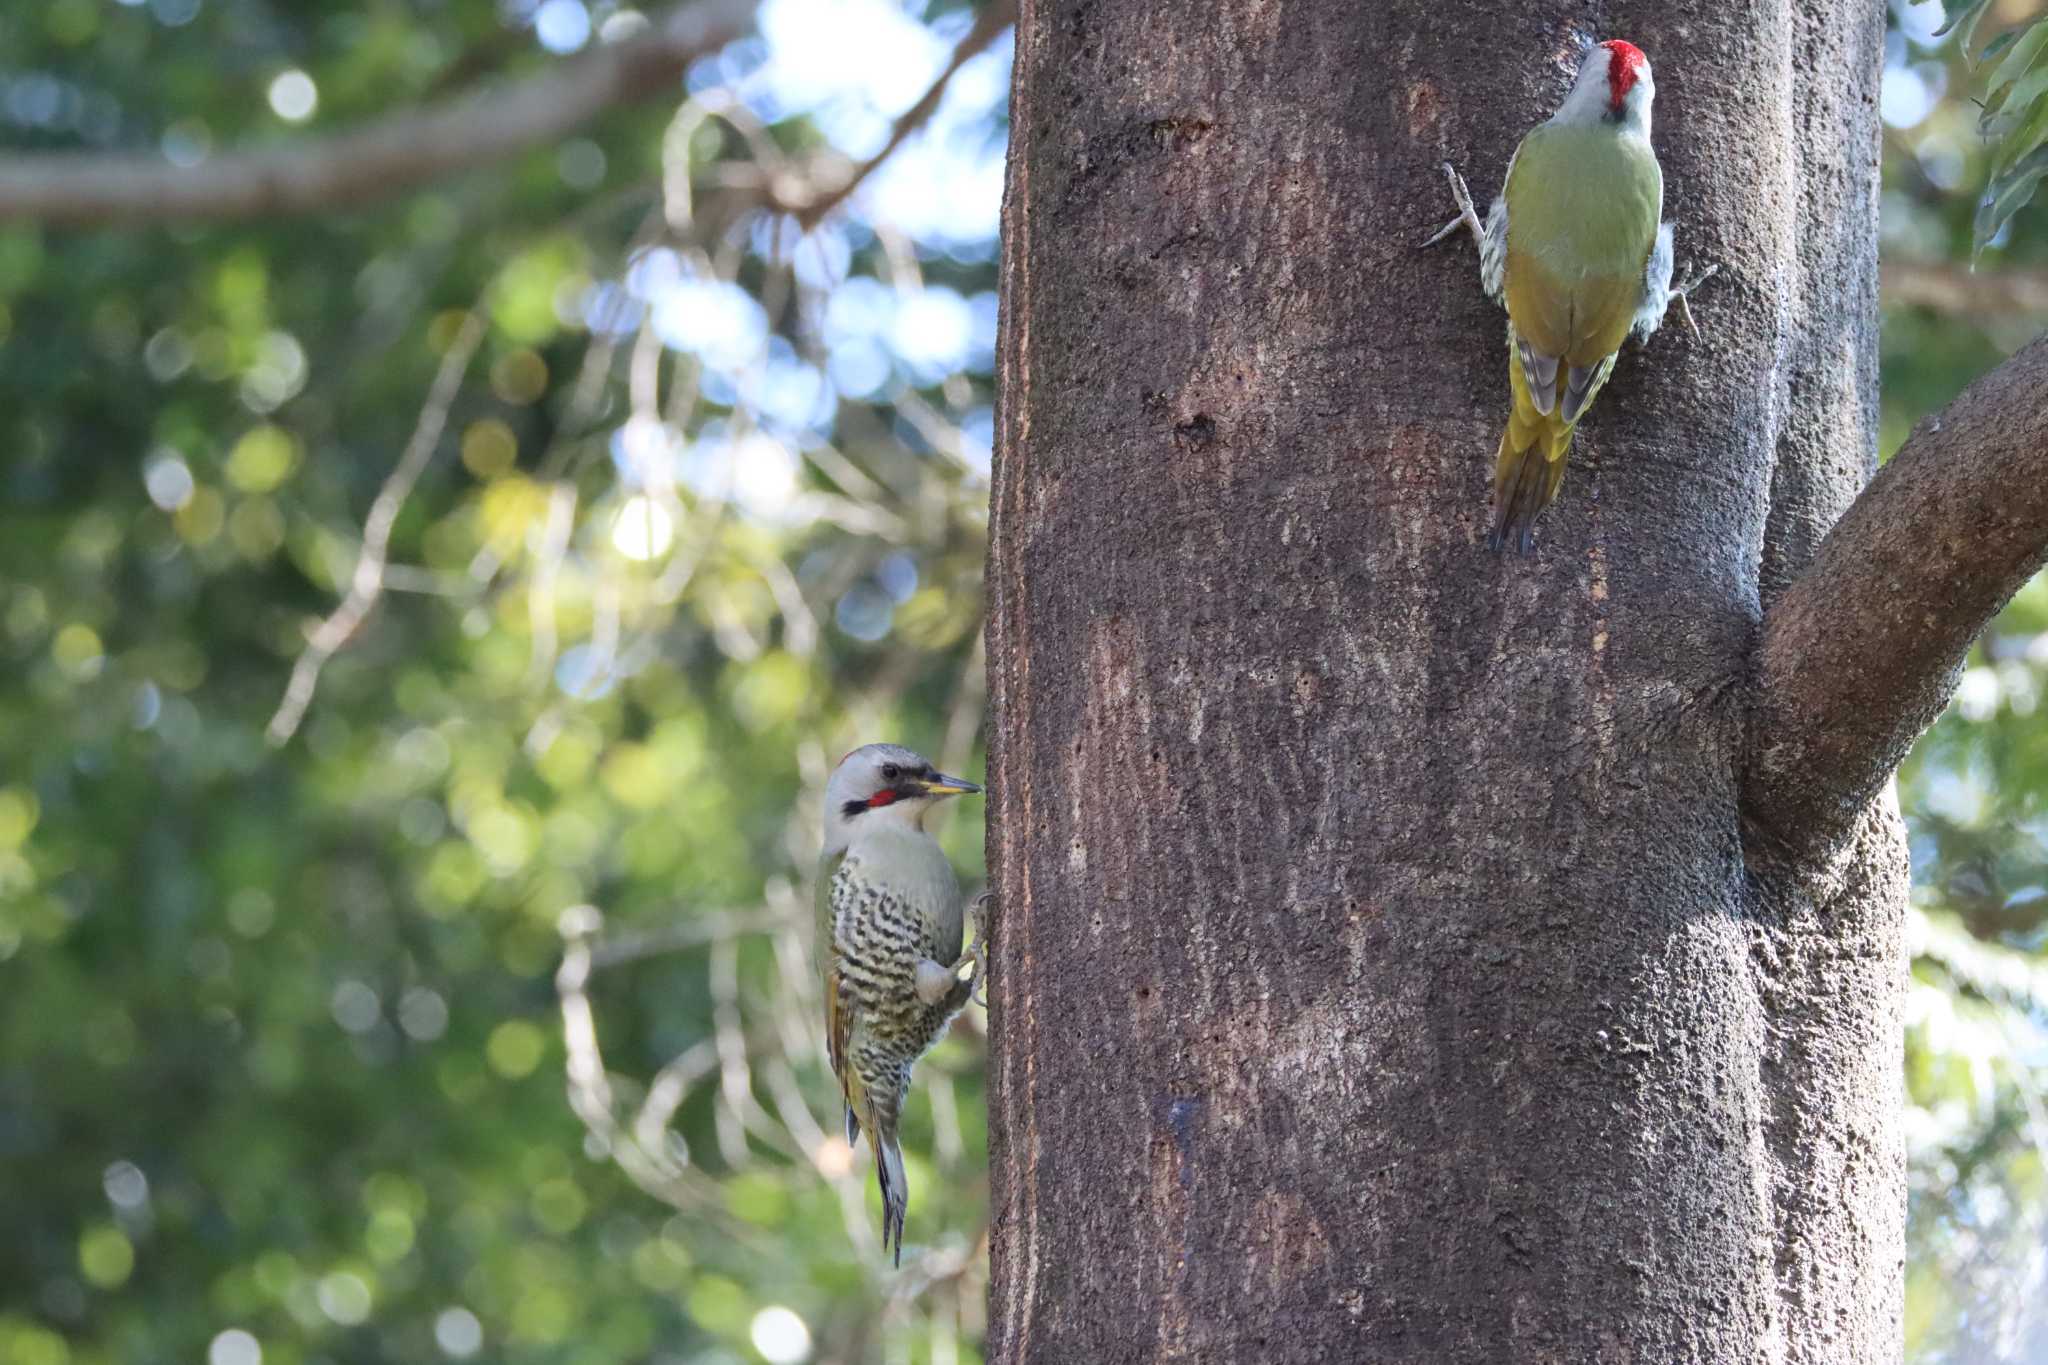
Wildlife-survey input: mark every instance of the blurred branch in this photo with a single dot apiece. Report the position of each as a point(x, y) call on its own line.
point(641, 1138)
point(540, 604)
point(939, 1266)
point(1992, 970)
point(367, 584)
point(694, 933)
point(1861, 653)
point(1952, 288)
point(651, 1153)
point(387, 157)
point(989, 24)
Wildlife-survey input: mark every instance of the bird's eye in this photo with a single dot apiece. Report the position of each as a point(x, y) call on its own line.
point(890, 772)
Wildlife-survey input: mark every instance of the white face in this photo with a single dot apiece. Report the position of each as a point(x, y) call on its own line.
point(879, 784)
point(1593, 89)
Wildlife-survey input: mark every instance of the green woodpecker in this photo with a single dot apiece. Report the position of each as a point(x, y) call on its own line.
point(1574, 249)
point(889, 928)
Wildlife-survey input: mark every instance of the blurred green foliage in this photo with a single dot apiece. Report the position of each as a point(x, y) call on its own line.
point(282, 1050)
point(281, 1053)
point(2012, 100)
point(1973, 791)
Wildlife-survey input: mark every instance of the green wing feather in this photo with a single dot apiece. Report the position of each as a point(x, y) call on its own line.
point(1583, 208)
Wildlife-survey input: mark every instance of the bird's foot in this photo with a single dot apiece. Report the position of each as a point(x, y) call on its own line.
point(1468, 216)
point(1679, 293)
point(977, 951)
point(934, 983)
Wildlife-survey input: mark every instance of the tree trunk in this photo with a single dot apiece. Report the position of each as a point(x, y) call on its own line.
point(1389, 964)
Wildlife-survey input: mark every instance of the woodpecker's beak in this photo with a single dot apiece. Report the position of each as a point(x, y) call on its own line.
point(938, 784)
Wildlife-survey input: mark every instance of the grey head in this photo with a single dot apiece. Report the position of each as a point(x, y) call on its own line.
point(883, 783)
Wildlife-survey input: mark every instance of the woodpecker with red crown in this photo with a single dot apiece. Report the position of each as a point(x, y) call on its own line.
point(1575, 250)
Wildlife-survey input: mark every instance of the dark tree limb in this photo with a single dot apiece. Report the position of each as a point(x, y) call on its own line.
point(384, 158)
point(1861, 652)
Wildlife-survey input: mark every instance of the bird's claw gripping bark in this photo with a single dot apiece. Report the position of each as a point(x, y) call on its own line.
point(1679, 293)
point(1468, 216)
point(977, 980)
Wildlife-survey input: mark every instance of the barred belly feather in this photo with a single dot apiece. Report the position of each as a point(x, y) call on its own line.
point(888, 907)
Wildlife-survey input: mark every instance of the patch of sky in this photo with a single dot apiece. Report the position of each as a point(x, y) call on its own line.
point(788, 395)
point(824, 53)
point(983, 307)
point(609, 310)
point(858, 319)
point(562, 25)
point(932, 333)
point(978, 440)
point(646, 452)
point(855, 66)
point(584, 673)
point(1909, 93)
point(896, 575)
point(755, 472)
point(865, 612)
point(716, 320)
point(859, 368)
point(822, 259)
point(1918, 20)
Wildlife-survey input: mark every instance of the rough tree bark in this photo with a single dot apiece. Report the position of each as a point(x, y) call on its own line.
point(1406, 953)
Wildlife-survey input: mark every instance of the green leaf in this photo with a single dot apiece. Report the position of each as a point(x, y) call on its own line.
point(2020, 143)
point(1957, 14)
point(2017, 62)
point(2008, 196)
point(1962, 21)
point(2015, 103)
point(1998, 44)
point(2014, 117)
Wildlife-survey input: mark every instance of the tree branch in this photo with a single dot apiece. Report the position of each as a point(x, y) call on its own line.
point(1958, 291)
point(366, 582)
point(1861, 653)
point(995, 16)
point(386, 157)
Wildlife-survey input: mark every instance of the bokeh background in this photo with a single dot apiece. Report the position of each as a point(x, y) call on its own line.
point(455, 1003)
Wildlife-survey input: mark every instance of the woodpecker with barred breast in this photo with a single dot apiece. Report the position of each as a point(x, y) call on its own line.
point(1575, 250)
point(889, 932)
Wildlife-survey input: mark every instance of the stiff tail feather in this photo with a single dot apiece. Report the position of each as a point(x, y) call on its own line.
point(895, 1187)
point(1525, 481)
point(873, 1111)
point(1530, 467)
